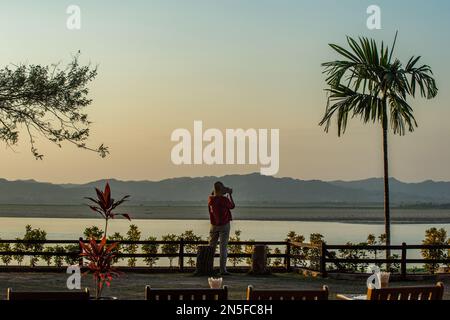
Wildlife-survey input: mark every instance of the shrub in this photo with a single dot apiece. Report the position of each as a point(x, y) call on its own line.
point(93, 232)
point(117, 238)
point(48, 258)
point(73, 259)
point(249, 250)
point(276, 262)
point(434, 236)
point(298, 261)
point(150, 248)
point(6, 259)
point(33, 235)
point(235, 248)
point(133, 234)
point(189, 235)
point(18, 247)
point(170, 248)
point(313, 255)
point(58, 260)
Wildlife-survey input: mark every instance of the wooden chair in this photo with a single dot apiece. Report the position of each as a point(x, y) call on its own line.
point(407, 293)
point(308, 295)
point(50, 295)
point(185, 294)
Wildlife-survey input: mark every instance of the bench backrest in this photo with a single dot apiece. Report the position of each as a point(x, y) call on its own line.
point(407, 293)
point(185, 294)
point(308, 295)
point(50, 295)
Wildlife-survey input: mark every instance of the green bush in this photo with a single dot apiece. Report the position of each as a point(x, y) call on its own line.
point(300, 253)
point(18, 247)
point(116, 237)
point(150, 248)
point(235, 248)
point(32, 235)
point(277, 262)
point(434, 236)
point(170, 248)
point(93, 232)
point(7, 258)
point(48, 258)
point(133, 234)
point(189, 235)
point(72, 260)
point(58, 260)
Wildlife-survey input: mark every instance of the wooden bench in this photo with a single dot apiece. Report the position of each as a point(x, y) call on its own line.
point(185, 294)
point(401, 293)
point(50, 295)
point(307, 295)
point(407, 293)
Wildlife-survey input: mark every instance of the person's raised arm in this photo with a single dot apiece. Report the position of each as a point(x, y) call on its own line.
point(231, 204)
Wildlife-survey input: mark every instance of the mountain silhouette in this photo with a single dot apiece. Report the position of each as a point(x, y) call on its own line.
point(251, 188)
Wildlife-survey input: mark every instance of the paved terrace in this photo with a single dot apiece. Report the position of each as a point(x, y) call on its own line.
point(131, 285)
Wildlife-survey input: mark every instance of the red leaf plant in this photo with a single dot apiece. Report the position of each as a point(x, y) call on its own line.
point(99, 258)
point(105, 205)
point(100, 255)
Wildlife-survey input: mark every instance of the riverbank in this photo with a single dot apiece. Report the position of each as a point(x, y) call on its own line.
point(361, 215)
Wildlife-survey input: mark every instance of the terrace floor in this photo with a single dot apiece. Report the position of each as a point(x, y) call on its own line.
point(131, 285)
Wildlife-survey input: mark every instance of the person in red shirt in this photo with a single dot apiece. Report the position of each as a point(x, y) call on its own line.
point(220, 204)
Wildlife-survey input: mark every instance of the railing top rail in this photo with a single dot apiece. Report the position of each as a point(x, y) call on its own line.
point(40, 241)
point(362, 247)
point(384, 260)
point(177, 242)
point(384, 247)
point(304, 245)
point(427, 246)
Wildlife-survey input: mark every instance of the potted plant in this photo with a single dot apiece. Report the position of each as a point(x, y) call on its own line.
point(104, 205)
point(100, 255)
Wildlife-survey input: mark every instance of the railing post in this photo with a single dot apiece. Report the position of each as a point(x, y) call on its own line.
point(181, 255)
point(80, 251)
point(403, 262)
point(287, 259)
point(323, 263)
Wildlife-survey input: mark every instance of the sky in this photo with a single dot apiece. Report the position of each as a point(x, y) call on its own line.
point(231, 64)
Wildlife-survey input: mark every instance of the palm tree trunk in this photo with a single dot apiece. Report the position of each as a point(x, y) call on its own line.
point(387, 213)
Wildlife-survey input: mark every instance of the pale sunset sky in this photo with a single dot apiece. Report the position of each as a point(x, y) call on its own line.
point(232, 64)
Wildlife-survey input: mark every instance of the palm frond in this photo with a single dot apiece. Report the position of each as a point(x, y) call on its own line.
point(367, 82)
point(422, 77)
point(401, 115)
point(344, 103)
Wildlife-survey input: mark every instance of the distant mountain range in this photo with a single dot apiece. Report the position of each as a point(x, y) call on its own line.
point(251, 188)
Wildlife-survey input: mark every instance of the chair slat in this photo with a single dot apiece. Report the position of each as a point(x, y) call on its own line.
point(186, 294)
point(307, 295)
point(407, 293)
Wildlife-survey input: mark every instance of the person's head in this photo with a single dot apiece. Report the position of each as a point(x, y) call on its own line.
point(220, 189)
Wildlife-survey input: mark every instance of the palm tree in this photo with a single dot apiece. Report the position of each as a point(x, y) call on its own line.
point(368, 84)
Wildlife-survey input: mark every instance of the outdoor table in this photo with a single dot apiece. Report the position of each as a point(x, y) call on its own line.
point(350, 296)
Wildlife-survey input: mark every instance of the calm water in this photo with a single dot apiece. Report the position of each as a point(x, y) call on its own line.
point(334, 232)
